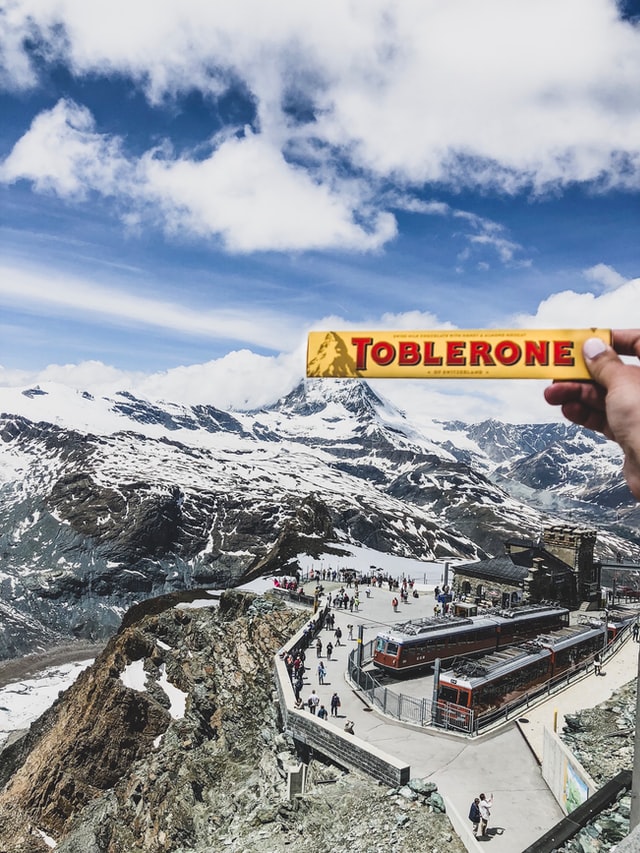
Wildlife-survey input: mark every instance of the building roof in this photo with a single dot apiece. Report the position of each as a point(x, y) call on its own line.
point(496, 568)
point(513, 568)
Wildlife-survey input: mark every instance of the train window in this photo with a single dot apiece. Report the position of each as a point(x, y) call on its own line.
point(386, 647)
point(448, 694)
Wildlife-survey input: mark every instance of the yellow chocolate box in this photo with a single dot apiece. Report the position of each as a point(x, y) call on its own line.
point(451, 354)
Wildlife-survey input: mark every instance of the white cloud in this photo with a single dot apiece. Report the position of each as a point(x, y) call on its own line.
point(245, 192)
point(46, 292)
point(62, 153)
point(534, 94)
point(15, 68)
point(101, 378)
point(607, 276)
point(570, 310)
point(240, 380)
point(470, 400)
point(245, 380)
point(250, 195)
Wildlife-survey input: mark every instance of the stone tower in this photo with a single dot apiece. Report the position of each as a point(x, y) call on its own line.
point(575, 547)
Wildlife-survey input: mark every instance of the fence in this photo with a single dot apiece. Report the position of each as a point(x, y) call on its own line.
point(295, 596)
point(407, 709)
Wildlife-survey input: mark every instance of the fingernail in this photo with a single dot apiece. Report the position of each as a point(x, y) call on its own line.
point(593, 347)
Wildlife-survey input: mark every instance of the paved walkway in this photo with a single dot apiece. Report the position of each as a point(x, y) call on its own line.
point(502, 763)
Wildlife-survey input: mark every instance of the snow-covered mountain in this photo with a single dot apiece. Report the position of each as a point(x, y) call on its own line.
point(105, 500)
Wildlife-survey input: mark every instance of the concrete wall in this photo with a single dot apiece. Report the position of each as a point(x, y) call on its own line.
point(567, 779)
point(344, 749)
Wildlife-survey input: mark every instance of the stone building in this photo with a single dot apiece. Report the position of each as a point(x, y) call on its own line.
point(559, 567)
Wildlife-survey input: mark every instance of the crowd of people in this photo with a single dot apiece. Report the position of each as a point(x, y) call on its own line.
point(298, 668)
point(354, 579)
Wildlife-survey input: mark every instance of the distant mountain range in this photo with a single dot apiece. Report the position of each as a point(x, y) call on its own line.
point(106, 500)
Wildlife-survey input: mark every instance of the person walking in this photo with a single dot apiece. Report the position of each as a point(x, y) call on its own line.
point(322, 712)
point(597, 664)
point(338, 635)
point(485, 806)
point(335, 704)
point(321, 673)
point(474, 814)
point(318, 647)
point(329, 650)
point(313, 701)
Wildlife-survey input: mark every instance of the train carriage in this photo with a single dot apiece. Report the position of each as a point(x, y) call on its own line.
point(409, 648)
point(496, 679)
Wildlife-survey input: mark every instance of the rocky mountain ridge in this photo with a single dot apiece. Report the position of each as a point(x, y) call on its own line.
point(171, 741)
point(107, 500)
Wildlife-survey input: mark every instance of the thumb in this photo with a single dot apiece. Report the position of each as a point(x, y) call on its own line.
point(603, 363)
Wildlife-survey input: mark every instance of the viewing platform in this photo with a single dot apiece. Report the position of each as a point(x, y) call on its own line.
point(505, 762)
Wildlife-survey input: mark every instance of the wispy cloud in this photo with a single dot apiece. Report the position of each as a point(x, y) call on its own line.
point(482, 232)
point(604, 275)
point(42, 293)
point(492, 235)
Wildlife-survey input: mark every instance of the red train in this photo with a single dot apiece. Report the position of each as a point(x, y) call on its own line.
point(493, 680)
point(408, 648)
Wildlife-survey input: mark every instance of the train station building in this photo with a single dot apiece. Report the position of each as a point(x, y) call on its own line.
point(560, 567)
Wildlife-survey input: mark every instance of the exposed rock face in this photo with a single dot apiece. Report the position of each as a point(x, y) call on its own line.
point(92, 522)
point(602, 739)
point(113, 768)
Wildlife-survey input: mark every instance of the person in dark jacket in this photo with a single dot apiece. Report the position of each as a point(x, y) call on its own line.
point(474, 815)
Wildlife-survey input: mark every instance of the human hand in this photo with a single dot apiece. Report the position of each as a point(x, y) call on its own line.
point(611, 404)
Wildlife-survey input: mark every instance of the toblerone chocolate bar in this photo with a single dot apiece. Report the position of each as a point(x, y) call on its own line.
point(452, 354)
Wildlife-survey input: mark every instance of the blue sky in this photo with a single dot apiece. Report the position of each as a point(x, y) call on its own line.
point(188, 188)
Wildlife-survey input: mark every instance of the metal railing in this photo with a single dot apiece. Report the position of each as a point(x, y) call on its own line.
point(408, 709)
point(294, 595)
